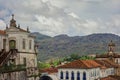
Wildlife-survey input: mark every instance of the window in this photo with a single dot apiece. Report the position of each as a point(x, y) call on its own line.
point(61, 75)
point(78, 75)
point(24, 61)
point(67, 75)
point(84, 76)
point(24, 44)
point(4, 43)
point(95, 72)
point(72, 75)
point(30, 44)
point(12, 44)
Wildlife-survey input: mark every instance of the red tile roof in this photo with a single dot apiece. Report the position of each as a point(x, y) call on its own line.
point(84, 64)
point(49, 70)
point(106, 63)
point(2, 32)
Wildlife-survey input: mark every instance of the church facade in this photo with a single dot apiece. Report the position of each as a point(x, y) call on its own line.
point(18, 56)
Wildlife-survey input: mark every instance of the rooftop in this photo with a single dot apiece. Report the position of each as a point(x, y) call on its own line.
point(84, 64)
point(49, 70)
point(87, 64)
point(2, 32)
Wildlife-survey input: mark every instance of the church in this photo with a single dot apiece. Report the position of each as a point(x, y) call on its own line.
point(18, 53)
point(111, 54)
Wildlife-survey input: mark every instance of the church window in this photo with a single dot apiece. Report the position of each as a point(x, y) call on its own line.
point(61, 75)
point(72, 75)
point(12, 44)
point(67, 75)
point(24, 44)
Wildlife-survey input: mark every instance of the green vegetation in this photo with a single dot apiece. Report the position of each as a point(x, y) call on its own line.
point(73, 57)
point(42, 65)
point(55, 63)
point(87, 58)
point(12, 68)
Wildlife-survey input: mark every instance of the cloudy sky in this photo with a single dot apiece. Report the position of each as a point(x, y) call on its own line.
point(71, 17)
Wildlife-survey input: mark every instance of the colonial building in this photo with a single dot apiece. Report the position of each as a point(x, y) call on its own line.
point(79, 70)
point(18, 58)
point(86, 70)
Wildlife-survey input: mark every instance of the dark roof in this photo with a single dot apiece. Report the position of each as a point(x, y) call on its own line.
point(84, 64)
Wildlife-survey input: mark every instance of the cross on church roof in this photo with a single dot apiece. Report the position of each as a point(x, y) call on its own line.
point(12, 16)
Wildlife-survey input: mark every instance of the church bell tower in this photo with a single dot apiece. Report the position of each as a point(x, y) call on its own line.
point(12, 21)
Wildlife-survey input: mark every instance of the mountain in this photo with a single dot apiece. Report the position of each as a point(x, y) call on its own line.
point(63, 45)
point(40, 36)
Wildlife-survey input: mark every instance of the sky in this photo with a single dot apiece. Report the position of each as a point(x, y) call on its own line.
point(55, 17)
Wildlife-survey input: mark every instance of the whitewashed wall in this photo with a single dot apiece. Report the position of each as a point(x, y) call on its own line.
point(87, 71)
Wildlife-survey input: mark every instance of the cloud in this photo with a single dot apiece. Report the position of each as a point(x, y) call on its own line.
point(2, 24)
point(72, 17)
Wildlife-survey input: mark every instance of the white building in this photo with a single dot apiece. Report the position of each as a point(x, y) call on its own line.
point(79, 70)
point(85, 70)
point(18, 58)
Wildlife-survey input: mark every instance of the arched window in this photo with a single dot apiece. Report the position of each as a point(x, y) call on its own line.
point(12, 44)
point(78, 75)
point(61, 75)
point(84, 76)
point(72, 75)
point(67, 75)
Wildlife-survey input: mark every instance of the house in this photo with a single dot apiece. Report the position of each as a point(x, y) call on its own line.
point(18, 56)
point(86, 70)
point(79, 70)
